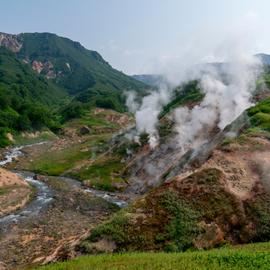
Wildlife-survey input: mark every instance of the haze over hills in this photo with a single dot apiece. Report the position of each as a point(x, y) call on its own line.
point(158, 79)
point(135, 135)
point(265, 58)
point(150, 79)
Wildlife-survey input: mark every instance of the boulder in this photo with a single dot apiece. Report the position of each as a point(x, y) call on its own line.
point(84, 130)
point(119, 186)
point(41, 178)
point(3, 266)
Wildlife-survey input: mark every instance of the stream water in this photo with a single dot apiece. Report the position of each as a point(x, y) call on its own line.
point(112, 197)
point(43, 192)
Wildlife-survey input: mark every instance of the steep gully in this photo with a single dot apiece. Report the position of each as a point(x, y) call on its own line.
point(152, 168)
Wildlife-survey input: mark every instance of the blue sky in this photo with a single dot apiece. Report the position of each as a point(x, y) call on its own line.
point(136, 36)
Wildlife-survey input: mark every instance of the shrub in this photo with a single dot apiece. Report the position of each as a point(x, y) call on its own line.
point(114, 229)
point(182, 228)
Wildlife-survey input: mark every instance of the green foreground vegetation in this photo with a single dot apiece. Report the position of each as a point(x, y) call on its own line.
point(251, 256)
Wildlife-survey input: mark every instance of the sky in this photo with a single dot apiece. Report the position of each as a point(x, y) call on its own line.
point(143, 36)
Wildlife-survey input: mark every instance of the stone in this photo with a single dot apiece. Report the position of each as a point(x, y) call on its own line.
point(119, 185)
point(41, 178)
point(85, 130)
point(3, 266)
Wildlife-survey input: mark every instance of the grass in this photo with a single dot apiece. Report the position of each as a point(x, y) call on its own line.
point(187, 94)
point(58, 162)
point(115, 229)
point(39, 137)
point(3, 191)
point(92, 121)
point(252, 256)
point(176, 217)
point(182, 228)
point(100, 170)
point(131, 233)
point(260, 115)
point(102, 173)
point(259, 126)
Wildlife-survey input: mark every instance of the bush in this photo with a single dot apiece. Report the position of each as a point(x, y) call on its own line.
point(189, 92)
point(260, 115)
point(3, 138)
point(114, 229)
point(74, 109)
point(182, 228)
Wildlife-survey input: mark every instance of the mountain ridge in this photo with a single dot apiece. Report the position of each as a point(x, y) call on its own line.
point(52, 72)
point(62, 59)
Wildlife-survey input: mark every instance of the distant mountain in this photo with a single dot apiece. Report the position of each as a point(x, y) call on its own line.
point(265, 58)
point(83, 73)
point(150, 79)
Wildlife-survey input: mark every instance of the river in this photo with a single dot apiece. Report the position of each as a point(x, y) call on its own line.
point(43, 196)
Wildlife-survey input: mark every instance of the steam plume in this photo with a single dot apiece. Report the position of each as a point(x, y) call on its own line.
point(228, 89)
point(228, 93)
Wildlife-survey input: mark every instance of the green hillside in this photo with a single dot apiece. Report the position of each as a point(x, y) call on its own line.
point(83, 73)
point(187, 94)
point(13, 73)
point(25, 97)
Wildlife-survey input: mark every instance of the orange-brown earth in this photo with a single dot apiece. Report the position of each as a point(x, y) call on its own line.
point(14, 192)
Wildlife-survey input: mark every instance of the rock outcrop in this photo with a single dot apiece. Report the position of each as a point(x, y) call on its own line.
point(10, 41)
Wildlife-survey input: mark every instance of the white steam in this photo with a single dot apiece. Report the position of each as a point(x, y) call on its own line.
point(147, 115)
point(227, 87)
point(228, 93)
point(131, 102)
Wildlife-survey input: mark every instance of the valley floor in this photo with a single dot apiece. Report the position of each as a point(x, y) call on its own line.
point(251, 256)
